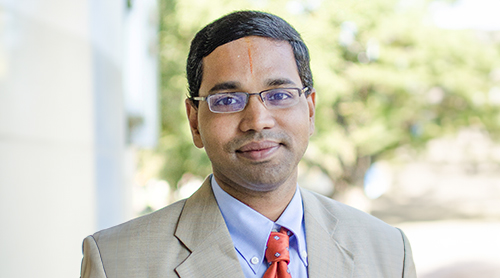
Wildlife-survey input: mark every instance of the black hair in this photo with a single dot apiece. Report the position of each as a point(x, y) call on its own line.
point(241, 24)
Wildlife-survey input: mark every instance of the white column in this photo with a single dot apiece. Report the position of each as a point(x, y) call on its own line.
point(106, 35)
point(62, 132)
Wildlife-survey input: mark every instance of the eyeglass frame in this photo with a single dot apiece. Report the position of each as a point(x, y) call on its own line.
point(306, 91)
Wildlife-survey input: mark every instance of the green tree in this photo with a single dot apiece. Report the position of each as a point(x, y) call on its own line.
point(397, 82)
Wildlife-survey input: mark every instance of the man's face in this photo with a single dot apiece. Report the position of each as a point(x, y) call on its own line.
point(257, 149)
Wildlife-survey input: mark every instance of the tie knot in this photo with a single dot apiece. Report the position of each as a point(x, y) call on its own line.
point(277, 247)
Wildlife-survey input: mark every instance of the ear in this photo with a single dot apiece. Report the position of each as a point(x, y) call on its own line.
point(311, 101)
point(192, 114)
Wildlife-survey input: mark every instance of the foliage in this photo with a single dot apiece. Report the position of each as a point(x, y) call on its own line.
point(385, 78)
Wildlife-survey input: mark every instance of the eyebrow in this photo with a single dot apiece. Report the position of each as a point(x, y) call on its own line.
point(231, 85)
point(279, 82)
point(234, 85)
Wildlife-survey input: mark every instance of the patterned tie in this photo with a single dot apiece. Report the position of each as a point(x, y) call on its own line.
point(277, 255)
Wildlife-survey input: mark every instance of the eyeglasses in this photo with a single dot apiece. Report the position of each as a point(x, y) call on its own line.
point(237, 101)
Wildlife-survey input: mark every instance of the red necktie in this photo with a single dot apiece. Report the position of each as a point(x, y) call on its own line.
point(277, 255)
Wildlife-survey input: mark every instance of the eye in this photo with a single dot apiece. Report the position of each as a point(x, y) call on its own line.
point(279, 95)
point(226, 100)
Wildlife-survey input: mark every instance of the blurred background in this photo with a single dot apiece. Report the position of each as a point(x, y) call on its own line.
point(93, 129)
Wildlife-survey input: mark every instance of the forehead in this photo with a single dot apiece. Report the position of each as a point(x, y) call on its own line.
point(250, 61)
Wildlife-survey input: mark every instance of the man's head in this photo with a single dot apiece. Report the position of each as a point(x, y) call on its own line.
point(250, 72)
point(238, 25)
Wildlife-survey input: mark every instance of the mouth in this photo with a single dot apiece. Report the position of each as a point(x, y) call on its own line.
point(258, 151)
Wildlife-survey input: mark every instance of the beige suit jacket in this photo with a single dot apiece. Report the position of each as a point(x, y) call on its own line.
point(190, 239)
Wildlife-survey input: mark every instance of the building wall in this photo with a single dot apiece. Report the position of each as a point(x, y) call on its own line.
point(62, 132)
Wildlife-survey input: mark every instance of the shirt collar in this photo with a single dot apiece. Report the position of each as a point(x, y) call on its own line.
point(250, 230)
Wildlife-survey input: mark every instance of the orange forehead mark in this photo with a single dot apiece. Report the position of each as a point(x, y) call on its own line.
point(249, 47)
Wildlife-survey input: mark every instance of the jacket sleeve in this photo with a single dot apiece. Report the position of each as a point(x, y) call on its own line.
point(91, 263)
point(408, 264)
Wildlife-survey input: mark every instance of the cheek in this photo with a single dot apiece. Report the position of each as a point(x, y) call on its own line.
point(215, 130)
point(297, 122)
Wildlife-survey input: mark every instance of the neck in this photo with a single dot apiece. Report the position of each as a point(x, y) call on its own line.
point(271, 204)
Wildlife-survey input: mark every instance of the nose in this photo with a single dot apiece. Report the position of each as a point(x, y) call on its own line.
point(255, 116)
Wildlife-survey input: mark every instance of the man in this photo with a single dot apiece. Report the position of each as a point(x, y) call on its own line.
point(251, 106)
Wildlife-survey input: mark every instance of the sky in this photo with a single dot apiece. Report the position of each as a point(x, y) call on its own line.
point(467, 14)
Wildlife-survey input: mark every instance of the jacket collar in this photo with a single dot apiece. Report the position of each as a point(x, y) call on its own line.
point(203, 231)
point(327, 254)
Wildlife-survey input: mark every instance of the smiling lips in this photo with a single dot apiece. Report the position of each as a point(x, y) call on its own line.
point(258, 150)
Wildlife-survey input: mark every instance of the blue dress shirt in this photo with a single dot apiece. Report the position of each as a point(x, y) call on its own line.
point(250, 231)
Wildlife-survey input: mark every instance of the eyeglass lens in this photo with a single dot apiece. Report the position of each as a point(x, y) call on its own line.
point(235, 102)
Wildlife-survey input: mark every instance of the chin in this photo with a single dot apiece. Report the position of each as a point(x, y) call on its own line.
point(268, 179)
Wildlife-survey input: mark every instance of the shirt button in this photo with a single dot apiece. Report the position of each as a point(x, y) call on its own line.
point(304, 254)
point(254, 260)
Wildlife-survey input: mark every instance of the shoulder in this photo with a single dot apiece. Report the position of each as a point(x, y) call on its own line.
point(163, 220)
point(136, 245)
point(374, 245)
point(341, 219)
point(159, 224)
point(331, 209)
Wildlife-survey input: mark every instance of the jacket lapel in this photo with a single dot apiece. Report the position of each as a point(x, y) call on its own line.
point(327, 255)
point(203, 231)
